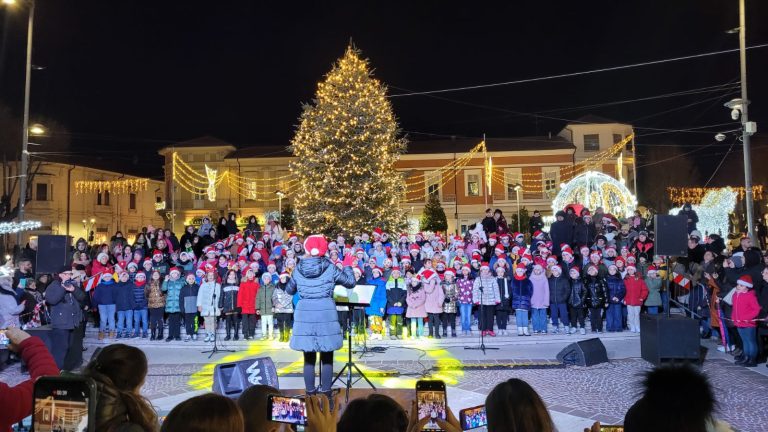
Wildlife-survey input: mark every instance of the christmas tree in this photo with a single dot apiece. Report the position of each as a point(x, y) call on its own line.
point(345, 148)
point(433, 218)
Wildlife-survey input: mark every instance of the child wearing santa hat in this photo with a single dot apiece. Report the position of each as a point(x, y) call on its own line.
point(540, 297)
point(653, 283)
point(450, 291)
point(636, 294)
point(596, 300)
point(464, 285)
point(616, 293)
point(416, 311)
point(744, 310)
point(577, 301)
point(522, 290)
point(172, 288)
point(485, 294)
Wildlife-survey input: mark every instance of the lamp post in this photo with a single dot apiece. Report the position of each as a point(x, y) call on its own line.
point(280, 196)
point(518, 188)
point(88, 225)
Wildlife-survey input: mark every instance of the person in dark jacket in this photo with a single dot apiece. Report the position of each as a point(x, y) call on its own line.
point(253, 226)
point(560, 232)
point(505, 294)
point(231, 225)
point(228, 304)
point(188, 236)
point(615, 295)
point(124, 305)
point(535, 223)
point(140, 308)
point(522, 290)
point(595, 299)
point(188, 304)
point(221, 229)
point(316, 325)
point(488, 222)
point(690, 216)
point(396, 294)
point(559, 292)
point(64, 298)
point(576, 301)
point(584, 231)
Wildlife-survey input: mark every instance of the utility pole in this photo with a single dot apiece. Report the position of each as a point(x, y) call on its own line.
point(745, 132)
point(25, 133)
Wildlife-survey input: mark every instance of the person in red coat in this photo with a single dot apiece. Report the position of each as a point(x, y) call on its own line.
point(16, 402)
point(637, 292)
point(745, 310)
point(246, 300)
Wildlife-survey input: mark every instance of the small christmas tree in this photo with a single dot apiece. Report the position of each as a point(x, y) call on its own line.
point(346, 147)
point(525, 218)
point(288, 217)
point(433, 218)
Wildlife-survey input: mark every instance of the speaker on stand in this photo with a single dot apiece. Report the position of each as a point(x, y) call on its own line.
point(52, 253)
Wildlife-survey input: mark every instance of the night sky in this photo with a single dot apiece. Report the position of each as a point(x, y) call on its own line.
point(127, 77)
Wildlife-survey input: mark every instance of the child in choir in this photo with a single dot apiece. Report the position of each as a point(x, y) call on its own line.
point(396, 293)
point(416, 311)
point(264, 305)
point(636, 293)
point(577, 306)
point(283, 308)
point(616, 292)
point(188, 305)
point(450, 293)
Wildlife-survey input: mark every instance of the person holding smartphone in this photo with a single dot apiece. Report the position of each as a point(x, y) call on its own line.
point(16, 401)
point(65, 298)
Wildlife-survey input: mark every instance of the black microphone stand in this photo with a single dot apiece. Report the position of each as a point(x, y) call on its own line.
point(215, 348)
point(482, 346)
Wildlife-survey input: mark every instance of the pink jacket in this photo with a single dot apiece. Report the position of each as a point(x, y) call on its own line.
point(435, 296)
point(416, 304)
point(745, 308)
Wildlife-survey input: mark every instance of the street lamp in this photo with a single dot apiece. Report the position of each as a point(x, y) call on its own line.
point(518, 188)
point(280, 196)
point(88, 225)
point(37, 130)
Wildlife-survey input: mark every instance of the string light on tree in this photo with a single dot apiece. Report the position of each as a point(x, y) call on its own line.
point(714, 211)
point(594, 189)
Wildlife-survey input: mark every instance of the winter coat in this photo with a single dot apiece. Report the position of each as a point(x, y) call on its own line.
point(643, 249)
point(465, 287)
point(172, 289)
point(435, 296)
point(111, 411)
point(205, 227)
point(745, 309)
point(597, 290)
point(155, 295)
point(560, 232)
point(208, 298)
point(698, 300)
point(396, 293)
point(615, 289)
point(379, 298)
point(10, 309)
point(316, 324)
point(578, 294)
point(246, 297)
point(451, 294)
point(559, 289)
point(522, 290)
point(416, 300)
point(264, 298)
point(637, 291)
point(540, 296)
point(139, 296)
point(281, 300)
point(584, 234)
point(489, 295)
point(123, 294)
point(104, 293)
point(505, 293)
point(228, 299)
point(188, 298)
point(65, 309)
point(654, 295)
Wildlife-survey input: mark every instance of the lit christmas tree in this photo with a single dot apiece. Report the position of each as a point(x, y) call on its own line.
point(346, 147)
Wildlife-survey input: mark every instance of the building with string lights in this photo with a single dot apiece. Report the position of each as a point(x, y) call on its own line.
point(210, 177)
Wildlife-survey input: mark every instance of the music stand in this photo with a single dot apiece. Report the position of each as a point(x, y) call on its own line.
point(357, 297)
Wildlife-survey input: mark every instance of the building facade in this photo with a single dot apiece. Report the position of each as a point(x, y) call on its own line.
point(537, 165)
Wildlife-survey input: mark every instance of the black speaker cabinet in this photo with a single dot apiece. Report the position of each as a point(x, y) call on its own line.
point(671, 235)
point(584, 353)
point(669, 339)
point(52, 253)
point(231, 379)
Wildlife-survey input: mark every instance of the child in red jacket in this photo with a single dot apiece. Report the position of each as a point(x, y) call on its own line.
point(246, 300)
point(637, 292)
point(745, 310)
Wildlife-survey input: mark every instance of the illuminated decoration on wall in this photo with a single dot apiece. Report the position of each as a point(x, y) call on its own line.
point(160, 205)
point(210, 173)
point(620, 167)
point(14, 227)
point(694, 195)
point(489, 175)
point(594, 189)
point(714, 211)
point(112, 186)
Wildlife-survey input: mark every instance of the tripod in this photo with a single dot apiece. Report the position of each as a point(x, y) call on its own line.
point(347, 381)
point(215, 348)
point(482, 346)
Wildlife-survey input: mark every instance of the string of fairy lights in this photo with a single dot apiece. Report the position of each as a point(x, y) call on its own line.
point(695, 195)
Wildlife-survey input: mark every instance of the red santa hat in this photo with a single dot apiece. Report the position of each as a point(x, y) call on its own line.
point(539, 262)
point(527, 257)
point(395, 269)
point(538, 233)
point(174, 269)
point(621, 260)
point(404, 236)
point(652, 268)
point(552, 259)
point(556, 266)
point(476, 257)
point(405, 258)
point(592, 266)
point(499, 248)
point(485, 265)
point(377, 232)
point(450, 271)
point(316, 245)
point(271, 264)
point(517, 234)
point(632, 267)
point(427, 274)
point(520, 272)
point(492, 237)
point(574, 269)
point(155, 253)
point(466, 266)
point(745, 280)
point(414, 247)
point(377, 269)
point(565, 249)
point(596, 252)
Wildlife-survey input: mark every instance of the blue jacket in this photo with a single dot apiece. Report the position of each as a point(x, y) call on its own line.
point(104, 293)
point(139, 297)
point(316, 324)
point(379, 299)
point(522, 290)
point(615, 289)
point(173, 290)
point(123, 294)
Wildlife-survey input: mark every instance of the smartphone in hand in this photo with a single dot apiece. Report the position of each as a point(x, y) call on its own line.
point(432, 403)
point(64, 403)
point(473, 418)
point(283, 409)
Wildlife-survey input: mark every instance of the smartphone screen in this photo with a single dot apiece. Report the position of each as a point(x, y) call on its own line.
point(4, 340)
point(611, 428)
point(472, 418)
point(431, 402)
point(63, 404)
point(290, 410)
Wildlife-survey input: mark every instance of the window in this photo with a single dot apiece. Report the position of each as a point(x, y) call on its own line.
point(102, 198)
point(592, 142)
point(549, 177)
point(473, 185)
point(132, 201)
point(617, 138)
point(512, 177)
point(41, 192)
point(98, 198)
point(432, 181)
point(252, 191)
point(106, 198)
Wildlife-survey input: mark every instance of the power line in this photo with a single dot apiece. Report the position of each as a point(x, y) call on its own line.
point(572, 74)
point(721, 162)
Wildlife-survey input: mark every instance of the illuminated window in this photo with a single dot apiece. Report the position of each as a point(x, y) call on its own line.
point(550, 180)
point(473, 184)
point(592, 142)
point(432, 179)
point(512, 177)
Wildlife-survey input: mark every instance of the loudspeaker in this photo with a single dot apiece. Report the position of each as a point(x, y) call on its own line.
point(671, 235)
point(231, 379)
point(669, 339)
point(52, 253)
point(584, 353)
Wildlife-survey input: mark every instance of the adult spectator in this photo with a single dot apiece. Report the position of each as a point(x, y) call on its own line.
point(535, 223)
point(10, 307)
point(560, 232)
point(690, 216)
point(119, 371)
point(584, 231)
point(30, 252)
point(188, 236)
point(253, 404)
point(488, 222)
point(21, 276)
point(501, 222)
point(16, 401)
point(253, 226)
point(65, 298)
point(745, 244)
point(205, 413)
point(514, 406)
point(376, 413)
